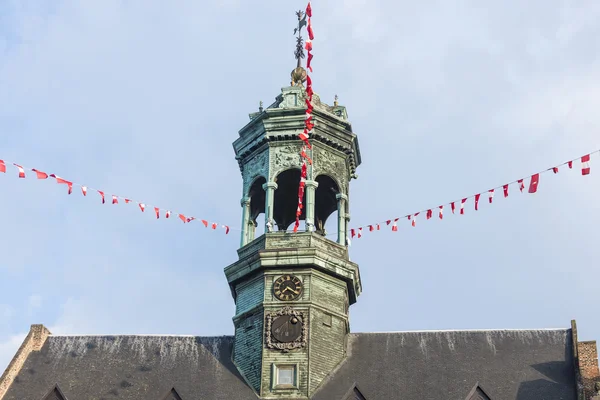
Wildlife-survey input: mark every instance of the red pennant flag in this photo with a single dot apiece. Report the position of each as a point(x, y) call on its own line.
point(40, 174)
point(352, 233)
point(311, 34)
point(452, 207)
point(521, 185)
point(395, 225)
point(167, 214)
point(555, 170)
point(308, 45)
point(214, 225)
point(102, 195)
point(21, 171)
point(585, 165)
point(491, 195)
point(114, 199)
point(157, 211)
point(462, 206)
point(370, 228)
point(2, 166)
point(182, 217)
point(389, 221)
point(441, 214)
point(533, 185)
point(414, 219)
point(296, 225)
point(570, 164)
point(226, 229)
point(309, 67)
point(142, 207)
point(127, 201)
point(359, 233)
point(190, 219)
point(84, 190)
point(477, 201)
point(70, 185)
point(429, 214)
point(505, 188)
point(205, 223)
point(308, 82)
point(309, 10)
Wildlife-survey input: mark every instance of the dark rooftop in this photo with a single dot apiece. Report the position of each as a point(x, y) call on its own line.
point(428, 365)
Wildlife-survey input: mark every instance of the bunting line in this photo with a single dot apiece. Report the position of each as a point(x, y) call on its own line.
point(308, 121)
point(534, 182)
point(114, 198)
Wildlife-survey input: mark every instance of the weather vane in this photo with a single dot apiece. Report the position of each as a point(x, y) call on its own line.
point(299, 53)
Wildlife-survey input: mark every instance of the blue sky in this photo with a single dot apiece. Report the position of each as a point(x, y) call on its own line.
point(448, 99)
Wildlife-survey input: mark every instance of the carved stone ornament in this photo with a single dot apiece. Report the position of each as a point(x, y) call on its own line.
point(254, 167)
point(284, 157)
point(326, 162)
point(272, 343)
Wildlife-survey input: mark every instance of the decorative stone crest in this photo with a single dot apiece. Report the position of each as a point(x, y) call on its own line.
point(284, 157)
point(272, 343)
point(327, 162)
point(254, 167)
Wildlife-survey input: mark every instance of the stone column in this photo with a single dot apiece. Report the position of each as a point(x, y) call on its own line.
point(245, 202)
point(251, 230)
point(310, 189)
point(342, 223)
point(269, 188)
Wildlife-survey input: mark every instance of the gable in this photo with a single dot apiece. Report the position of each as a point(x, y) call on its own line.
point(172, 395)
point(55, 394)
point(477, 393)
point(354, 394)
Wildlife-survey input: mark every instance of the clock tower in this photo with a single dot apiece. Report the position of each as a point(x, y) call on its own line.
point(292, 290)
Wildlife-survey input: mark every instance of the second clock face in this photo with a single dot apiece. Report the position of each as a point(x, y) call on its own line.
point(287, 287)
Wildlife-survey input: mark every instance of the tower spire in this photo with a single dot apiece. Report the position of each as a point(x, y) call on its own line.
point(299, 73)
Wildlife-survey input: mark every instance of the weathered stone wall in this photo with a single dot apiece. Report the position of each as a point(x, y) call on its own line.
point(588, 366)
point(249, 294)
point(248, 344)
point(33, 342)
point(327, 346)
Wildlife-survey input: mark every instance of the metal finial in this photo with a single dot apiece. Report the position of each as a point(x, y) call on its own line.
point(335, 100)
point(299, 53)
point(260, 106)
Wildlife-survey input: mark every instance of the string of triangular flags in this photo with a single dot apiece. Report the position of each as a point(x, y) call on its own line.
point(459, 205)
point(308, 122)
point(114, 199)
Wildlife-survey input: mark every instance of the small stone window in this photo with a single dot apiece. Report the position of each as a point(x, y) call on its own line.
point(285, 376)
point(327, 319)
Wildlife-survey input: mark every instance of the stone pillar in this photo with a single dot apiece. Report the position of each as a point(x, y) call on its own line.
point(251, 230)
point(245, 220)
point(347, 219)
point(341, 203)
point(311, 188)
point(269, 189)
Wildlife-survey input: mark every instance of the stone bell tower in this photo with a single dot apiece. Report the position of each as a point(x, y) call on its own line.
point(292, 290)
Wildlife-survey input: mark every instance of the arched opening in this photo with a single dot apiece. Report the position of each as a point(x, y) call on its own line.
point(256, 193)
point(326, 203)
point(286, 199)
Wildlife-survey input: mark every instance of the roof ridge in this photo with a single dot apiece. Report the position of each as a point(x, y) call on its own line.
point(463, 330)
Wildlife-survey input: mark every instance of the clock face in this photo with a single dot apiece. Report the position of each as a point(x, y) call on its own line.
point(287, 287)
point(286, 328)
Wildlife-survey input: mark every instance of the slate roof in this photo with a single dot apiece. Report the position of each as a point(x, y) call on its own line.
point(436, 365)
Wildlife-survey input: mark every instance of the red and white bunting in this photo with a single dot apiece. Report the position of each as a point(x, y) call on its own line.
point(21, 170)
point(534, 182)
point(114, 198)
point(308, 122)
point(585, 165)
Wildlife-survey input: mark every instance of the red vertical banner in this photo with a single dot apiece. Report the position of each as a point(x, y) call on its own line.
point(308, 120)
